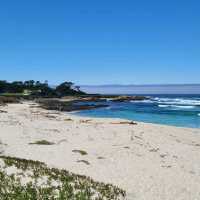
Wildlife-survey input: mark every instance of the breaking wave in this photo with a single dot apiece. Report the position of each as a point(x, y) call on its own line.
point(177, 101)
point(176, 106)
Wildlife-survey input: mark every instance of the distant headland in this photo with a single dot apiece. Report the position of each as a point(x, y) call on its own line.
point(143, 89)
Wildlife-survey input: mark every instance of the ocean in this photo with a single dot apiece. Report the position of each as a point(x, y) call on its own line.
point(176, 110)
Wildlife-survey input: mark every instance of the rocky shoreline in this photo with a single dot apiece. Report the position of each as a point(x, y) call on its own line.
point(67, 106)
point(84, 103)
point(73, 103)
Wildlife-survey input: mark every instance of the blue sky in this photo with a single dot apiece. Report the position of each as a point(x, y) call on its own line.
point(100, 41)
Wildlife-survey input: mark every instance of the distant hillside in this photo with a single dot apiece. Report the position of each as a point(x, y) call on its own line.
point(143, 89)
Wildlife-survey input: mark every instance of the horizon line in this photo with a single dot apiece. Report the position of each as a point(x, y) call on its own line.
point(126, 85)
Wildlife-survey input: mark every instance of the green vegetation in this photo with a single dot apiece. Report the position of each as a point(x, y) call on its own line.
point(83, 153)
point(33, 180)
point(36, 88)
point(42, 142)
point(68, 119)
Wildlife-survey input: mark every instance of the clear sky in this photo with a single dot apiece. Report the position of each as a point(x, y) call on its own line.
point(100, 41)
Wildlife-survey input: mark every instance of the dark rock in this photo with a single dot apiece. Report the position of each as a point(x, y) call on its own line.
point(4, 100)
point(67, 106)
point(129, 98)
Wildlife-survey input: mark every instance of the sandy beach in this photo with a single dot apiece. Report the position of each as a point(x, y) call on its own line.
point(149, 161)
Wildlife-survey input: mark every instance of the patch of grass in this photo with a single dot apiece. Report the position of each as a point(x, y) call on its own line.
point(83, 153)
point(68, 119)
point(42, 142)
point(44, 183)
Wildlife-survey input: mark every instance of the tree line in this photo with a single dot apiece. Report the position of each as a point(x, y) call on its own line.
point(40, 89)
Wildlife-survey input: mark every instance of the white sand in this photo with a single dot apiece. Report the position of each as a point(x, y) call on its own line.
point(149, 161)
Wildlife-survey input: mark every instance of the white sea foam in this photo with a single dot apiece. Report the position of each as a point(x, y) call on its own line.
point(172, 102)
point(178, 101)
point(198, 114)
point(164, 106)
point(184, 107)
point(176, 106)
point(143, 101)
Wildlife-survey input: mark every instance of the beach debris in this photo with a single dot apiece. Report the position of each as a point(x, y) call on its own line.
point(68, 119)
point(42, 142)
point(85, 121)
point(126, 122)
point(83, 161)
point(82, 152)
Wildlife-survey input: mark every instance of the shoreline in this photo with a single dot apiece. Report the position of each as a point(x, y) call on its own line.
point(149, 161)
point(73, 113)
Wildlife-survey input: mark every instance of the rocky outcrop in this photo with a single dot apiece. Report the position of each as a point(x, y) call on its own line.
point(84, 103)
point(66, 105)
point(103, 98)
point(129, 98)
point(4, 100)
point(114, 98)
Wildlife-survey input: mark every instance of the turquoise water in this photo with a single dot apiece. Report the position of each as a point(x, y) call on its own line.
point(181, 110)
